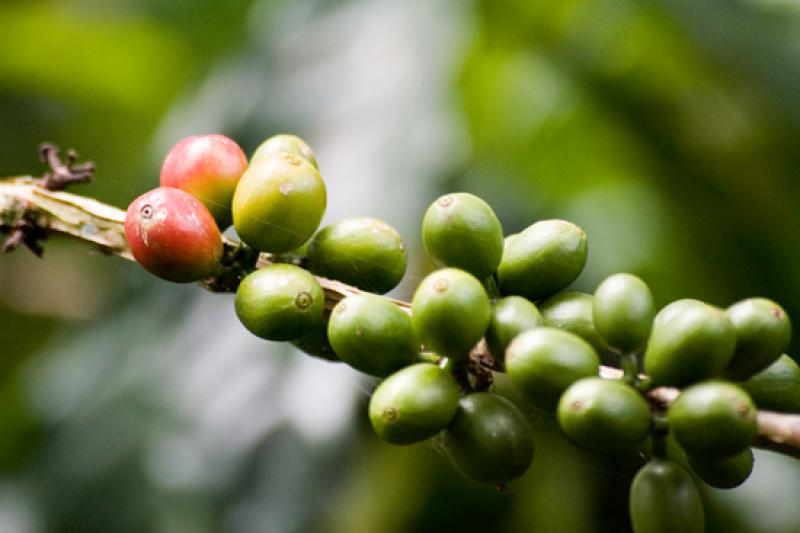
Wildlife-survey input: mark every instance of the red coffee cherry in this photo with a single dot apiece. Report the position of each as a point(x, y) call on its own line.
point(208, 167)
point(172, 235)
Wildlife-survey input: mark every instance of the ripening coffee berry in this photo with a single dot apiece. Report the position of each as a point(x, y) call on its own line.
point(372, 334)
point(360, 251)
point(172, 235)
point(208, 167)
point(489, 439)
point(542, 259)
point(690, 341)
point(279, 302)
point(763, 332)
point(284, 142)
point(724, 472)
point(573, 312)
point(511, 316)
point(664, 499)
point(602, 414)
point(544, 361)
point(413, 404)
point(713, 418)
point(623, 312)
point(278, 203)
point(450, 312)
point(777, 387)
point(461, 230)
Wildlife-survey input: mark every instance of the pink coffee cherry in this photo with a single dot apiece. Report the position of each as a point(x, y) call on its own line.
point(172, 235)
point(208, 167)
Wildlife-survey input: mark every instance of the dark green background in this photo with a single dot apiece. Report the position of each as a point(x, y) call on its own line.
point(669, 130)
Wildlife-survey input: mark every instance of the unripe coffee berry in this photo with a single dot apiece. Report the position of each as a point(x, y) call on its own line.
point(279, 302)
point(602, 414)
point(763, 332)
point(724, 472)
point(777, 387)
point(360, 251)
point(544, 361)
point(372, 334)
point(691, 341)
point(284, 142)
point(208, 167)
point(450, 312)
point(664, 499)
point(489, 439)
point(713, 418)
point(172, 235)
point(511, 316)
point(460, 230)
point(542, 259)
point(278, 203)
point(413, 404)
point(623, 312)
point(573, 312)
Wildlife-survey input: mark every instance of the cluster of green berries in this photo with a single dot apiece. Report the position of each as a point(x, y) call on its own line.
point(494, 298)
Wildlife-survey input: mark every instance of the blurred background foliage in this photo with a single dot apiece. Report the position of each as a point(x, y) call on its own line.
point(668, 129)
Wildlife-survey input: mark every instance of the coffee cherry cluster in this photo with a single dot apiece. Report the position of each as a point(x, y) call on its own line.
point(496, 304)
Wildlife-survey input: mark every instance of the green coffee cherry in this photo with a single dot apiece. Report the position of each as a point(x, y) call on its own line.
point(544, 361)
point(542, 259)
point(763, 332)
point(623, 312)
point(283, 142)
point(279, 302)
point(573, 312)
point(691, 341)
point(450, 312)
point(360, 251)
point(489, 439)
point(664, 499)
point(316, 343)
point(606, 415)
point(371, 334)
point(511, 316)
point(461, 230)
point(278, 203)
point(413, 404)
point(723, 472)
point(713, 418)
point(777, 387)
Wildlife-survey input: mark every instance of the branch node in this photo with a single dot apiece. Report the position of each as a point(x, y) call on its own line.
point(25, 232)
point(63, 173)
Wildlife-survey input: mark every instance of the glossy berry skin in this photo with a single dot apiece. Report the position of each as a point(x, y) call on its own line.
point(511, 316)
point(360, 251)
point(664, 499)
point(489, 439)
point(542, 259)
point(544, 361)
point(623, 312)
point(450, 312)
point(172, 235)
point(460, 230)
point(723, 472)
point(605, 415)
point(713, 418)
point(413, 404)
point(777, 387)
point(284, 142)
point(278, 203)
point(372, 334)
point(208, 167)
point(573, 312)
point(279, 302)
point(690, 341)
point(763, 332)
